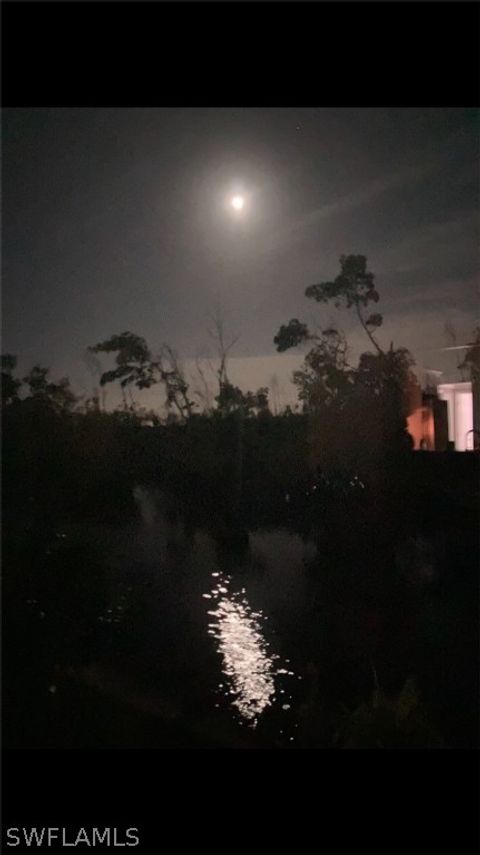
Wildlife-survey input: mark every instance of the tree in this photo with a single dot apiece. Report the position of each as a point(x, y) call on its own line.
point(260, 402)
point(226, 392)
point(325, 375)
point(471, 360)
point(98, 397)
point(354, 286)
point(203, 390)
point(276, 393)
point(10, 384)
point(291, 335)
point(231, 399)
point(374, 394)
point(134, 365)
point(58, 396)
point(176, 386)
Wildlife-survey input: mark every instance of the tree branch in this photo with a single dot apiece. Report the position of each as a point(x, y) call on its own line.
point(365, 327)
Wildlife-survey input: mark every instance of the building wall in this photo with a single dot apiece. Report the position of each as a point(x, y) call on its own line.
point(460, 413)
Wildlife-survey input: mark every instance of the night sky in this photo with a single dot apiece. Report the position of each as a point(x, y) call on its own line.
point(115, 219)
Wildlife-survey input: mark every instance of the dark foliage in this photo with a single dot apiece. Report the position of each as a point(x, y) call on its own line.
point(373, 395)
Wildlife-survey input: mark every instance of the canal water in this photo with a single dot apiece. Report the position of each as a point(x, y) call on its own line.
point(200, 634)
point(155, 634)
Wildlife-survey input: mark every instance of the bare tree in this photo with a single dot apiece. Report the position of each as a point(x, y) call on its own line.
point(95, 369)
point(223, 347)
point(274, 385)
point(229, 400)
point(203, 391)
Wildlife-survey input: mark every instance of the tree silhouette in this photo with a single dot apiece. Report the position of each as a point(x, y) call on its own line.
point(58, 396)
point(10, 384)
point(231, 399)
point(373, 394)
point(354, 286)
point(134, 365)
point(176, 386)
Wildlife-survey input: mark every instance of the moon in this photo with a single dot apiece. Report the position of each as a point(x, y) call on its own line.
point(237, 202)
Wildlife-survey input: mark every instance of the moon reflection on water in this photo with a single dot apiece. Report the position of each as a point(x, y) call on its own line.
point(249, 667)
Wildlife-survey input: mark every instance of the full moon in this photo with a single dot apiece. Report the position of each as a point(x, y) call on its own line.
point(238, 202)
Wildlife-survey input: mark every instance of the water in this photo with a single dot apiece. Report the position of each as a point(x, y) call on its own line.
point(211, 639)
point(252, 672)
point(151, 635)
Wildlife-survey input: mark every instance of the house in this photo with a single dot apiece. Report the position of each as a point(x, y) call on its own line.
point(443, 418)
point(459, 398)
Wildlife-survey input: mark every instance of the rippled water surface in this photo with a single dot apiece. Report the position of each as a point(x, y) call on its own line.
point(251, 670)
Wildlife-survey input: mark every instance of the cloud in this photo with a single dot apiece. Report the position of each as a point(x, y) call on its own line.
point(357, 199)
point(427, 245)
point(437, 295)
